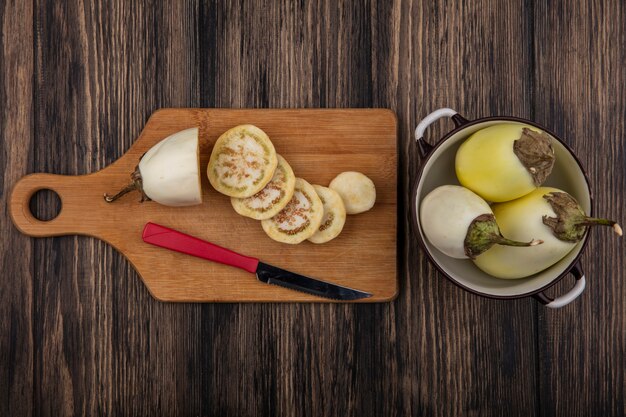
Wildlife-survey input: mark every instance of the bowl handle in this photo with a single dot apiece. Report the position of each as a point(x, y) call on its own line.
point(425, 147)
point(568, 297)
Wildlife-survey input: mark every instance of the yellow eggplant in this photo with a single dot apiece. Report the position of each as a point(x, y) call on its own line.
point(548, 214)
point(504, 161)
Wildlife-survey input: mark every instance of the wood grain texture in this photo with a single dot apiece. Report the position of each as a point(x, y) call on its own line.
point(319, 144)
point(581, 94)
point(16, 254)
point(101, 345)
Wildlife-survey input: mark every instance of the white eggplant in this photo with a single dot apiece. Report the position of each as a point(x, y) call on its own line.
point(169, 173)
point(548, 214)
point(461, 224)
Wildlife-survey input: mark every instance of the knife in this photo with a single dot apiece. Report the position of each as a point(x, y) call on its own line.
point(167, 238)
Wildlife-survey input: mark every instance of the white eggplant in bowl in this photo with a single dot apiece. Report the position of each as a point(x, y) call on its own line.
point(169, 173)
point(461, 224)
point(549, 214)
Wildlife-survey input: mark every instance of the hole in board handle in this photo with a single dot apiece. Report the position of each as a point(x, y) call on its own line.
point(45, 205)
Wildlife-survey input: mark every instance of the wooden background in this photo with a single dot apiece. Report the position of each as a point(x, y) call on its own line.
point(79, 332)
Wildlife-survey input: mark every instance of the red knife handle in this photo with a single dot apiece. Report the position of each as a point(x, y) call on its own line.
point(167, 238)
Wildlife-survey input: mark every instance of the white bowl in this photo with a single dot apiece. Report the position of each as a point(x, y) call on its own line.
point(437, 169)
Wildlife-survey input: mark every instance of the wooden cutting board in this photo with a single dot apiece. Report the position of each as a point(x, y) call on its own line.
point(318, 143)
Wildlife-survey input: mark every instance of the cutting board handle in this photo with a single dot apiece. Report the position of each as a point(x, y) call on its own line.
point(63, 185)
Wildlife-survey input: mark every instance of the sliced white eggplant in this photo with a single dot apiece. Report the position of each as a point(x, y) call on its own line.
point(242, 162)
point(356, 190)
point(272, 198)
point(300, 218)
point(334, 215)
point(169, 173)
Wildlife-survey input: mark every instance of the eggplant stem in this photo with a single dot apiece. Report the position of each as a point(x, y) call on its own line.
point(130, 187)
point(135, 184)
point(500, 240)
point(593, 221)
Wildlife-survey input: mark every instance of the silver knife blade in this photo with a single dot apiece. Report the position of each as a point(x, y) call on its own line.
point(273, 275)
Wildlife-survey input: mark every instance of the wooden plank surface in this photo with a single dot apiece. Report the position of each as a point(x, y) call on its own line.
point(580, 79)
point(88, 339)
point(16, 253)
point(317, 143)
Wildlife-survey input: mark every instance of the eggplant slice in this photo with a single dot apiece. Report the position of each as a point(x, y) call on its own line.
point(334, 215)
point(356, 190)
point(300, 218)
point(243, 161)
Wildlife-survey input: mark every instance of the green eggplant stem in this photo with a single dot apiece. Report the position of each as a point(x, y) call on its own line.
point(500, 240)
point(484, 232)
point(593, 221)
point(570, 223)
